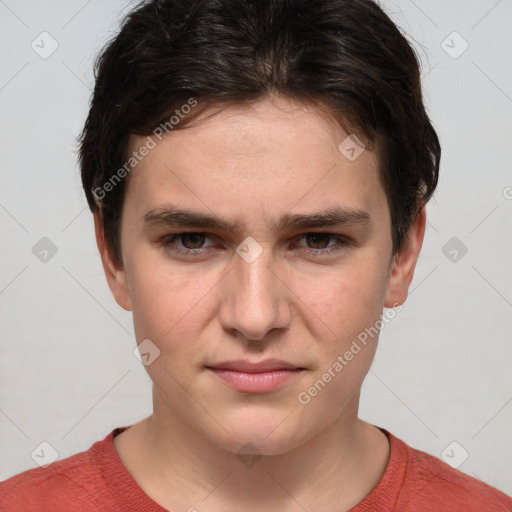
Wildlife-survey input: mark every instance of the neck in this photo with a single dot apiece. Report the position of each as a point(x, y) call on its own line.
point(181, 469)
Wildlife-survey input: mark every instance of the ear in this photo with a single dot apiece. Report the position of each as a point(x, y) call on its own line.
point(404, 262)
point(114, 271)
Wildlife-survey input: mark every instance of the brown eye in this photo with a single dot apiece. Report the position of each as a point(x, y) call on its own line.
point(323, 244)
point(192, 240)
point(318, 240)
point(192, 244)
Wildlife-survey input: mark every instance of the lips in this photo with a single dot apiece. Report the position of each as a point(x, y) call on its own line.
point(268, 365)
point(250, 377)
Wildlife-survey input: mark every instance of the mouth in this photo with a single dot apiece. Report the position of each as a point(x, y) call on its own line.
point(261, 377)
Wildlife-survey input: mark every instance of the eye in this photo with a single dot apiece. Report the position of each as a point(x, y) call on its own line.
point(191, 243)
point(320, 241)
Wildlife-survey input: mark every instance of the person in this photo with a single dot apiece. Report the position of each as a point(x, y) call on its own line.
point(225, 140)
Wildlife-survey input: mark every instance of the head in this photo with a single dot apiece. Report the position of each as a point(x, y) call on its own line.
point(290, 141)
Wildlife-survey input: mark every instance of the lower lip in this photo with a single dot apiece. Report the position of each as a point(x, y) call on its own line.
point(256, 382)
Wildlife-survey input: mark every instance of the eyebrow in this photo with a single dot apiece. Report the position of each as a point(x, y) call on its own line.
point(171, 215)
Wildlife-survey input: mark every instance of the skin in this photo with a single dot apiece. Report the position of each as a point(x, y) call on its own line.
point(252, 164)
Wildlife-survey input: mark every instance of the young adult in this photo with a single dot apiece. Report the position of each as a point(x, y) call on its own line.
point(258, 173)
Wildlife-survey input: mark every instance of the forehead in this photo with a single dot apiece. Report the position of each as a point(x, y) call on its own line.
point(259, 158)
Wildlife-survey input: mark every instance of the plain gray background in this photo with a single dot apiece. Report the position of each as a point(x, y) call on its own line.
point(443, 369)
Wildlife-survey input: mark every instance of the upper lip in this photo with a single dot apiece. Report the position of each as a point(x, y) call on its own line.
point(242, 365)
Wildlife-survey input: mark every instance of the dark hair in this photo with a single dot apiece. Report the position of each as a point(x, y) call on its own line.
point(346, 55)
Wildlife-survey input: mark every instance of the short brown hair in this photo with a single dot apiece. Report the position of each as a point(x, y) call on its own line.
point(345, 54)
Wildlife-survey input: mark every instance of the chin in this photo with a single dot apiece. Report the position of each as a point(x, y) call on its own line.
point(256, 434)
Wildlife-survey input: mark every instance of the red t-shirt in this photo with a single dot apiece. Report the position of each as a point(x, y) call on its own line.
point(96, 480)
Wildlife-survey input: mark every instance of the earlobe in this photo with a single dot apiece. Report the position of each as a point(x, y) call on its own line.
point(404, 262)
point(114, 271)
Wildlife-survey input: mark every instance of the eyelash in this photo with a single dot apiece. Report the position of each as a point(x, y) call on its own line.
point(168, 241)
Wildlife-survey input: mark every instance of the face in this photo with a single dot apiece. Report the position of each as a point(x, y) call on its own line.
point(251, 236)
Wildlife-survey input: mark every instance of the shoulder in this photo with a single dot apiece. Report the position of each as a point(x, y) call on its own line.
point(74, 483)
point(430, 482)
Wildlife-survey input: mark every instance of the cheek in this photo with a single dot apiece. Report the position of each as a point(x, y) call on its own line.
point(343, 311)
point(344, 302)
point(167, 305)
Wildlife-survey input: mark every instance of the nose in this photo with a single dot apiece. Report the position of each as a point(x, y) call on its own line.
point(254, 299)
